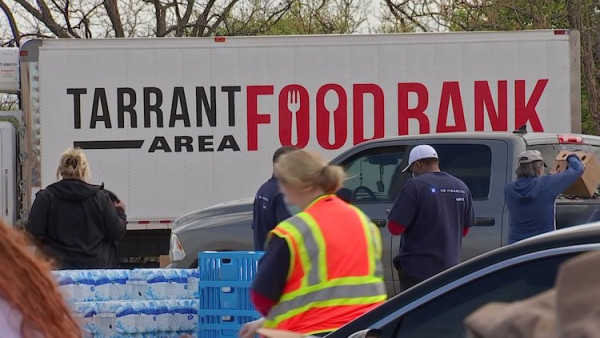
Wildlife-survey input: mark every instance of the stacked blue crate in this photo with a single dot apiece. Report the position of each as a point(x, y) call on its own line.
point(224, 285)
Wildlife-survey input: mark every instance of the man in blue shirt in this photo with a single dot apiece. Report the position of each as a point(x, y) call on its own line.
point(433, 211)
point(269, 206)
point(531, 198)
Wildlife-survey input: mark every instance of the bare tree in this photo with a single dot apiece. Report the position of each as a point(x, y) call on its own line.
point(257, 17)
point(113, 18)
point(584, 16)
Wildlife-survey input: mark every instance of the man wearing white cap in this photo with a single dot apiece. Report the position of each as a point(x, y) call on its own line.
point(433, 211)
point(531, 198)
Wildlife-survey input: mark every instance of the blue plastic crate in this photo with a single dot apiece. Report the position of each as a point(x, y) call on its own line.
point(226, 278)
point(222, 323)
point(231, 266)
point(224, 292)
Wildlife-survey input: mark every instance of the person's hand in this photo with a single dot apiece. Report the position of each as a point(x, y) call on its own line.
point(120, 204)
point(249, 329)
point(573, 155)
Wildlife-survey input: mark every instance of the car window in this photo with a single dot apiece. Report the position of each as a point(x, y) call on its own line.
point(374, 175)
point(444, 316)
point(472, 163)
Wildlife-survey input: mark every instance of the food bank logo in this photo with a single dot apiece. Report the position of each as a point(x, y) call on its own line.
point(302, 115)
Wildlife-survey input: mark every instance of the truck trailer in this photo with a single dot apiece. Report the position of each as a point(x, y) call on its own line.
point(173, 125)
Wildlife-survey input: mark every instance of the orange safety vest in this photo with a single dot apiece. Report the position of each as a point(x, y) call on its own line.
point(335, 271)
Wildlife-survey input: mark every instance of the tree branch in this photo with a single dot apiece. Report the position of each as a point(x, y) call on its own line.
point(112, 10)
point(49, 22)
point(13, 24)
point(399, 13)
point(202, 21)
point(221, 17)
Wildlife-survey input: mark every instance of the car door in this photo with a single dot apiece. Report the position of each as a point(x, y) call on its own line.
point(441, 313)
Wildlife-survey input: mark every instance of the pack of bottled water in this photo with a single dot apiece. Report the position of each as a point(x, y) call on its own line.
point(132, 303)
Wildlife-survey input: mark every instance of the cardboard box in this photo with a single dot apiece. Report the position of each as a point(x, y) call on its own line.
point(164, 261)
point(587, 184)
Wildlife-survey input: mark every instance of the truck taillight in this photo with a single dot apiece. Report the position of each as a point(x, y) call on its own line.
point(560, 31)
point(570, 139)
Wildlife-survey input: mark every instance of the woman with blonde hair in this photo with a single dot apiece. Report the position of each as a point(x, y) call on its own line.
point(322, 267)
point(76, 222)
point(30, 303)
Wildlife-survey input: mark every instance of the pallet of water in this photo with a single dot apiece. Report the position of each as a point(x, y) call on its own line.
point(159, 318)
point(137, 284)
point(132, 303)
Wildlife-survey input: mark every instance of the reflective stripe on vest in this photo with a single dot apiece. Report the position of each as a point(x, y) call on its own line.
point(338, 294)
point(315, 290)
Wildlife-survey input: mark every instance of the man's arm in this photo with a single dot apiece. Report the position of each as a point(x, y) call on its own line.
point(558, 183)
point(404, 209)
point(271, 276)
point(115, 219)
point(469, 215)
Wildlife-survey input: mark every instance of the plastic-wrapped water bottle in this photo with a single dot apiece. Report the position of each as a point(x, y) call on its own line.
point(184, 315)
point(76, 285)
point(106, 319)
point(178, 284)
point(86, 314)
point(137, 284)
point(161, 309)
point(192, 284)
point(112, 285)
point(158, 286)
point(136, 317)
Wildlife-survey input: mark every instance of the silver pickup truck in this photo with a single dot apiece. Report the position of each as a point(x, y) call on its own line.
point(484, 161)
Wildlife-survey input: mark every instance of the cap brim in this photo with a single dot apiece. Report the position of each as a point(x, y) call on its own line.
point(407, 167)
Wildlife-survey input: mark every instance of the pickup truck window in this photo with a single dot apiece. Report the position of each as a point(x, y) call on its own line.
point(549, 151)
point(376, 175)
point(373, 175)
point(472, 163)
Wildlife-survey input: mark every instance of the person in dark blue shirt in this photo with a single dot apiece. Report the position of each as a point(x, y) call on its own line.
point(531, 198)
point(433, 211)
point(269, 206)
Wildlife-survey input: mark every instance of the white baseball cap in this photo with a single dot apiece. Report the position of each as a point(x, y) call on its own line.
point(420, 152)
point(530, 156)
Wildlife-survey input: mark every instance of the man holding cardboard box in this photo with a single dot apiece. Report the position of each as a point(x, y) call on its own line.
point(531, 197)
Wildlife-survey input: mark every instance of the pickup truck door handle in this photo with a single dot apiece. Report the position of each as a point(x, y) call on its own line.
point(485, 221)
point(381, 223)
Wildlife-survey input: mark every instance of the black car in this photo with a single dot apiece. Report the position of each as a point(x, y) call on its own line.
point(437, 307)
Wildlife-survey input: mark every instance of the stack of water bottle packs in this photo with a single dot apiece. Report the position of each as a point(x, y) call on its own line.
point(224, 292)
point(132, 303)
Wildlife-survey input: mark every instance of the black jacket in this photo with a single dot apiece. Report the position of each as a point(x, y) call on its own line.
point(77, 223)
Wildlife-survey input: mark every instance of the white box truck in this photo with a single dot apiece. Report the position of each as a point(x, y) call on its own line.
point(173, 125)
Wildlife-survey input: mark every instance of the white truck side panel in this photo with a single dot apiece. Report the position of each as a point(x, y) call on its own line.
point(439, 70)
point(8, 166)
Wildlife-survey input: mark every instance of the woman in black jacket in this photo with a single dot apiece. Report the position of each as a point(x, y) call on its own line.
point(76, 221)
